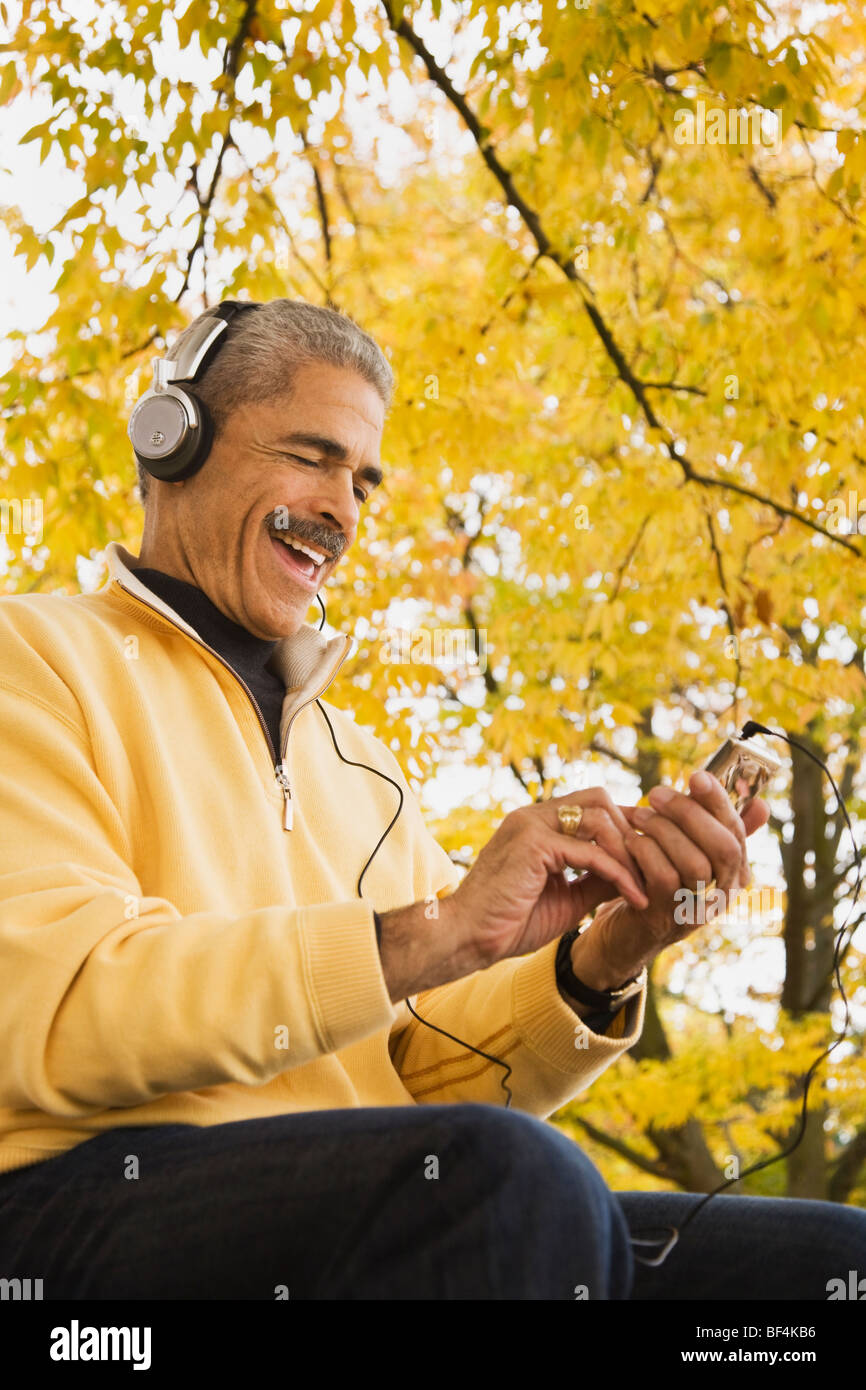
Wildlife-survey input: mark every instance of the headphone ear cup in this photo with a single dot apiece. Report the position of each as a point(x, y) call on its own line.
point(164, 441)
point(202, 441)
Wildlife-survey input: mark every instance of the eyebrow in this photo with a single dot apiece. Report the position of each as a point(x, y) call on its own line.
point(332, 449)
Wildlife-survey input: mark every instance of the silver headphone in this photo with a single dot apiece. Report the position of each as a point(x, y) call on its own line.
point(171, 429)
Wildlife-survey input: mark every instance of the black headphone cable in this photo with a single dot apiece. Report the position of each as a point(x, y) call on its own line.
point(488, 1056)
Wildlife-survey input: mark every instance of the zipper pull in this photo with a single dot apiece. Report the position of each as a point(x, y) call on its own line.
point(282, 778)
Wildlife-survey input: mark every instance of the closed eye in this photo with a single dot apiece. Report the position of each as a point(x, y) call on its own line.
point(314, 463)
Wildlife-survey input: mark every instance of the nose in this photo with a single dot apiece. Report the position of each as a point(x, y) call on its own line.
point(340, 509)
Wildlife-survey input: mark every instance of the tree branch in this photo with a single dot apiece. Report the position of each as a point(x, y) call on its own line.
point(762, 187)
point(403, 29)
point(674, 386)
point(629, 556)
point(516, 770)
point(204, 207)
point(270, 201)
point(322, 206)
point(598, 747)
point(646, 1165)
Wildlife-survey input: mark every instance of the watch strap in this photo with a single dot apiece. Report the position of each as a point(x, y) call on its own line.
point(604, 1003)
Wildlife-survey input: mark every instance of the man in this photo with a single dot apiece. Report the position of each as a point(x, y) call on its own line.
point(256, 1035)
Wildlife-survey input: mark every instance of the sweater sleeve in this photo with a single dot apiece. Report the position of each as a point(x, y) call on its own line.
point(111, 998)
point(515, 1013)
point(512, 1011)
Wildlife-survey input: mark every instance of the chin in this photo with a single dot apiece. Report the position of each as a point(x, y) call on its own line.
point(285, 619)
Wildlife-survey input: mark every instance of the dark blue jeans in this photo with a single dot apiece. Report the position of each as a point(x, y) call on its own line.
point(426, 1202)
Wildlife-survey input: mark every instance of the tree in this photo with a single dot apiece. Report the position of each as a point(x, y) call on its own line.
point(624, 459)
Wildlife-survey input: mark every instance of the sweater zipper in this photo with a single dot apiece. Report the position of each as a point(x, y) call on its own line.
point(282, 775)
point(279, 767)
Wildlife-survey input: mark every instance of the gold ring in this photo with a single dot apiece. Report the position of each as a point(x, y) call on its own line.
point(569, 819)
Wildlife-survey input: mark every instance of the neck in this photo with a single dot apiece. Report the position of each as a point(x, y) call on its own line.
point(163, 553)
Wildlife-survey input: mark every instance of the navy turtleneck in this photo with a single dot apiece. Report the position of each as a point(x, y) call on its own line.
point(247, 654)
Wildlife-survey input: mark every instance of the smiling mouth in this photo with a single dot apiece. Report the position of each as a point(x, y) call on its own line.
point(300, 558)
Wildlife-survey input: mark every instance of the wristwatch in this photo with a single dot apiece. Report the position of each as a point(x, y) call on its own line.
point(605, 1004)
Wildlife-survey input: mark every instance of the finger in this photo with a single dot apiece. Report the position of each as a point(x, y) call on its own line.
point(756, 814)
point(723, 807)
point(714, 826)
point(603, 821)
point(660, 875)
point(598, 825)
point(581, 854)
point(596, 797)
point(708, 791)
point(688, 858)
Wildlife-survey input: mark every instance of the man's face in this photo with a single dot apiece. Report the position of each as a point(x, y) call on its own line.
point(297, 468)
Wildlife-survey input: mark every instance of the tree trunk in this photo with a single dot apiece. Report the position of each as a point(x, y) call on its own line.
point(807, 1165)
point(683, 1150)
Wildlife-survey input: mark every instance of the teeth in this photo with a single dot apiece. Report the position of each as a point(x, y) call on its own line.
point(315, 555)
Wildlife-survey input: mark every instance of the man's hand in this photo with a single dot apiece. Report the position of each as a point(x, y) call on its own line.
point(684, 840)
point(516, 897)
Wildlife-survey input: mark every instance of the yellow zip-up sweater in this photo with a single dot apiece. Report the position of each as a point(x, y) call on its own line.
point(175, 947)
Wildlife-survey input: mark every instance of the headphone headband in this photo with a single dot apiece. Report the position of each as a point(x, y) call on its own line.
point(198, 347)
point(229, 307)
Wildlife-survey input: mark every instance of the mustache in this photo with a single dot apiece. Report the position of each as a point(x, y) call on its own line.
point(333, 543)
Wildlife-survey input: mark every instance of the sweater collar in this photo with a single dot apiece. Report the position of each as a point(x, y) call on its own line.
point(301, 660)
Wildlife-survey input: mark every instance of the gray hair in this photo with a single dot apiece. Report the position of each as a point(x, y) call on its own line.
point(260, 353)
